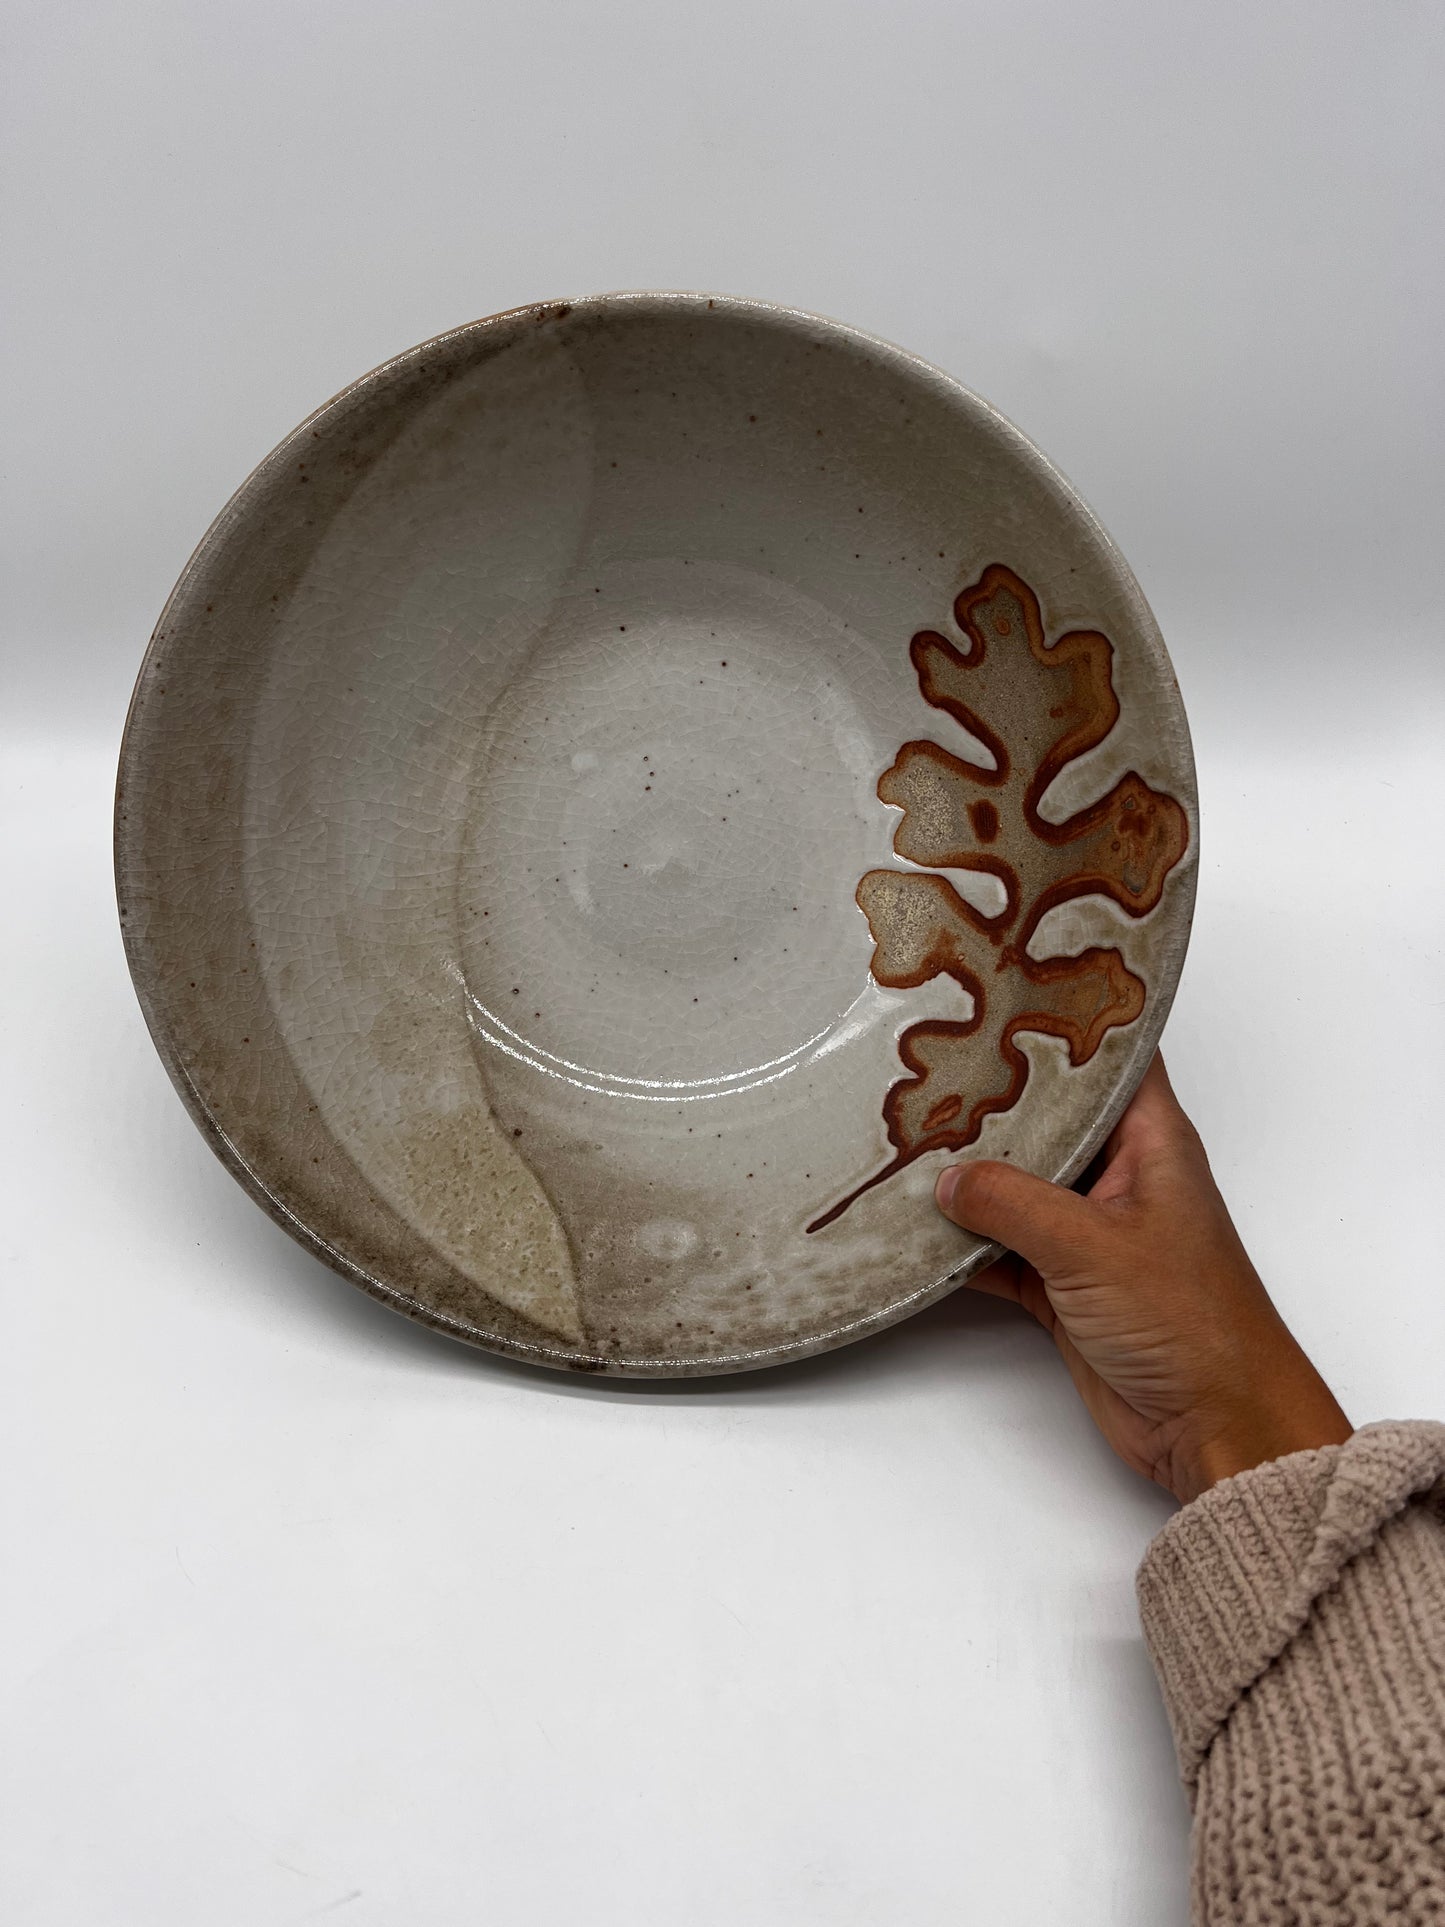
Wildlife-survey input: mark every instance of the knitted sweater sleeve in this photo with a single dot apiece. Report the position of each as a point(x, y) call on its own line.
point(1296, 1619)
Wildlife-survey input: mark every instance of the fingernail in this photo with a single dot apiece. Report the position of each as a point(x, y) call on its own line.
point(946, 1186)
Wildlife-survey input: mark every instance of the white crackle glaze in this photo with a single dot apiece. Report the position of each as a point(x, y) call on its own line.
point(495, 794)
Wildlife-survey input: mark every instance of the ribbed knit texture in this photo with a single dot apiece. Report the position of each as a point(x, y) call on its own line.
point(1296, 1619)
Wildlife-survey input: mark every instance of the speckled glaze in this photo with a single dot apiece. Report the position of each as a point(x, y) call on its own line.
point(581, 768)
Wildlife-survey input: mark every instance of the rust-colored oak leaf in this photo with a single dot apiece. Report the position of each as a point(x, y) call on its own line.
point(1031, 708)
point(1034, 708)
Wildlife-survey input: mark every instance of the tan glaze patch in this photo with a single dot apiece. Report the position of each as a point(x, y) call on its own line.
point(1033, 708)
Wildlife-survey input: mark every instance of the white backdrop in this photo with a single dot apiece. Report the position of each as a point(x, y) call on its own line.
point(311, 1613)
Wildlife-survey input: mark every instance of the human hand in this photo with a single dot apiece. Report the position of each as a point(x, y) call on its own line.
point(1185, 1365)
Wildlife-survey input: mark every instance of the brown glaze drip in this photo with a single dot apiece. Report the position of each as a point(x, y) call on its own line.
point(984, 818)
point(1051, 703)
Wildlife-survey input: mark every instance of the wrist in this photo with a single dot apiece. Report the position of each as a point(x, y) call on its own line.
point(1263, 1439)
point(1290, 1410)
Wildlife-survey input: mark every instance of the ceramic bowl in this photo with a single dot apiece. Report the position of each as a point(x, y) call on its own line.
point(621, 796)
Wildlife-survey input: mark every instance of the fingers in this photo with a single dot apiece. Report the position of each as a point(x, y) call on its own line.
point(1043, 1222)
point(998, 1280)
point(1009, 1277)
point(1154, 1117)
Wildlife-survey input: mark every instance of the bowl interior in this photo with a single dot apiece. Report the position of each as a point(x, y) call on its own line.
point(619, 797)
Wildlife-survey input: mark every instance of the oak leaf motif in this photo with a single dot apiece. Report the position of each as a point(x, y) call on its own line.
point(1032, 707)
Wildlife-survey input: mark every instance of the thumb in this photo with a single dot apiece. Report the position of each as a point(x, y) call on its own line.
point(1044, 1223)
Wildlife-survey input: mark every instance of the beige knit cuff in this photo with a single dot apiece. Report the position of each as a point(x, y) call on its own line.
point(1232, 1578)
